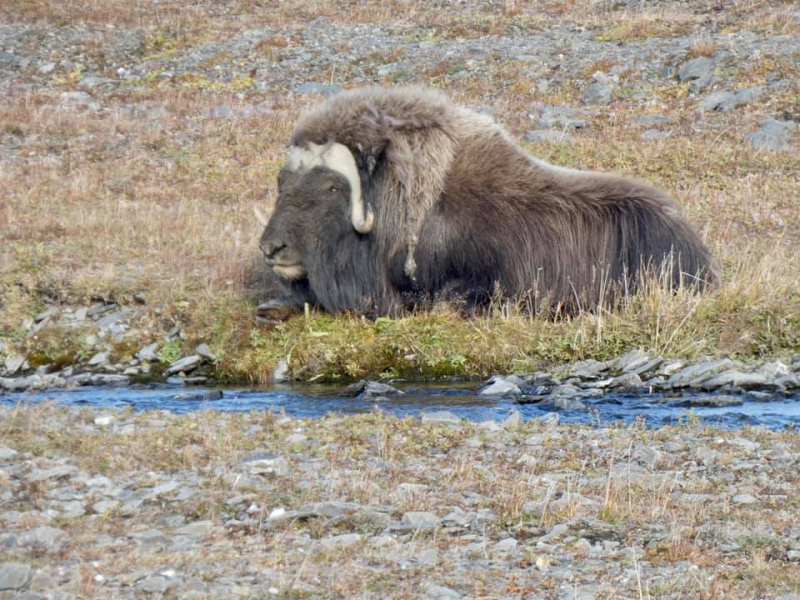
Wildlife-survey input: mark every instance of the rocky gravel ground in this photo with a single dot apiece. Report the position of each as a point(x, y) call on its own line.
point(722, 67)
point(108, 504)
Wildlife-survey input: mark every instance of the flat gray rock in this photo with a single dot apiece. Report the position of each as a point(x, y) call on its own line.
point(599, 93)
point(162, 490)
point(790, 382)
point(108, 379)
point(420, 520)
point(98, 309)
point(13, 363)
point(14, 576)
point(266, 464)
point(6, 452)
point(588, 369)
point(156, 585)
point(744, 499)
point(499, 386)
point(222, 112)
point(441, 417)
point(438, 592)
point(724, 101)
point(565, 391)
point(716, 100)
point(368, 386)
point(547, 135)
point(46, 314)
point(649, 367)
point(148, 353)
point(17, 384)
point(646, 456)
point(105, 506)
point(149, 537)
point(374, 390)
point(198, 528)
point(60, 472)
point(505, 546)
point(628, 380)
point(98, 359)
point(735, 378)
point(557, 531)
point(184, 365)
point(655, 134)
point(204, 351)
point(411, 489)
point(459, 517)
point(698, 71)
point(340, 542)
point(634, 357)
point(773, 135)
point(111, 319)
point(44, 536)
point(77, 100)
point(562, 123)
point(696, 373)
point(653, 121)
point(774, 369)
point(328, 509)
point(318, 88)
point(427, 558)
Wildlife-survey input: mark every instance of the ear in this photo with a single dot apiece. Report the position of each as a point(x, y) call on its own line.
point(369, 158)
point(260, 216)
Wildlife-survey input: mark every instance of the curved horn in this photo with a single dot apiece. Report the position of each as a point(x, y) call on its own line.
point(339, 158)
point(262, 218)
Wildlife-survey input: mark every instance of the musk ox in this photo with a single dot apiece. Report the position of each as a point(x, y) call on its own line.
point(392, 197)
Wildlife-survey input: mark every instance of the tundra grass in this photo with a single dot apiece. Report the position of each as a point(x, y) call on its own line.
point(132, 208)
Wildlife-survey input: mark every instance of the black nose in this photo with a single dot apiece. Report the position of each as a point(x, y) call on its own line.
point(271, 247)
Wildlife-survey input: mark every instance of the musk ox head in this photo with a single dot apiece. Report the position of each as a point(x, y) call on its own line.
point(318, 239)
point(319, 184)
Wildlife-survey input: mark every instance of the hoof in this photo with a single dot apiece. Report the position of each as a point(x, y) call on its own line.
point(276, 309)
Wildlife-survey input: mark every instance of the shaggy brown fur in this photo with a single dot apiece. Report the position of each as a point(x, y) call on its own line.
point(460, 208)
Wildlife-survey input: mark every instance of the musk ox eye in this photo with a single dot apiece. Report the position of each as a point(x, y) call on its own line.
point(334, 189)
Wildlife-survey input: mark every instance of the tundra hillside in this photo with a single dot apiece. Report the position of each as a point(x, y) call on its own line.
point(136, 136)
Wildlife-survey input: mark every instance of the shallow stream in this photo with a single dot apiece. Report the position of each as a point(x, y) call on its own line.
point(308, 400)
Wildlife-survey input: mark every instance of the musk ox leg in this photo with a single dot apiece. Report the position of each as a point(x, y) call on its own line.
point(277, 309)
point(291, 302)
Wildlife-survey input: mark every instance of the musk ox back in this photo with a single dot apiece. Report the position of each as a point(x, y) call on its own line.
point(390, 197)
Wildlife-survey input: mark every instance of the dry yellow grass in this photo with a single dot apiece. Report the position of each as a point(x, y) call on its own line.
point(702, 45)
